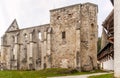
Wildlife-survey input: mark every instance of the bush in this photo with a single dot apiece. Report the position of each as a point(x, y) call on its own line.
point(67, 71)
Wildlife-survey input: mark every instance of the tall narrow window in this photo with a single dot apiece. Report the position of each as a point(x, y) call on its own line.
point(13, 39)
point(40, 35)
point(25, 37)
point(92, 30)
point(92, 27)
point(63, 35)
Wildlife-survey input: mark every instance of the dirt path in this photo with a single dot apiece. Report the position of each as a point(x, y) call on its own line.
point(80, 76)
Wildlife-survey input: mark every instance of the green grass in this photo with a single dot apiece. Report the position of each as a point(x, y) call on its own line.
point(103, 76)
point(42, 73)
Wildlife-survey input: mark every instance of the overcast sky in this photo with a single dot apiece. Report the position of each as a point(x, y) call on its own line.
point(36, 12)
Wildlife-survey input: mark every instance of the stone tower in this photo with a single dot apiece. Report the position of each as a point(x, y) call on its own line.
point(74, 36)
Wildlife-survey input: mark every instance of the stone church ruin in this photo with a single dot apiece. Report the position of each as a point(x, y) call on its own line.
point(69, 41)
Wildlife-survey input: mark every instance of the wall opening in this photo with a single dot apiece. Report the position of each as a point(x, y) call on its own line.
point(92, 30)
point(25, 36)
point(63, 35)
point(58, 17)
point(70, 15)
point(13, 39)
point(40, 35)
point(92, 27)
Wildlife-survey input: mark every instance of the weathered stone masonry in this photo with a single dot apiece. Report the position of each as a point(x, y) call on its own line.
point(69, 41)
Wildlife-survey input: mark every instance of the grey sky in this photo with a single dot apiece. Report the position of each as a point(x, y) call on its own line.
point(36, 12)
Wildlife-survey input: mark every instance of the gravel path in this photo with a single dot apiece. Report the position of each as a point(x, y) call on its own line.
point(81, 76)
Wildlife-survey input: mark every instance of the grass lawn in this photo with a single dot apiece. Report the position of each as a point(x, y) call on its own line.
point(103, 76)
point(42, 73)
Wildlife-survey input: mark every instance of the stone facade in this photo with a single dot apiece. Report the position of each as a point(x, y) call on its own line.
point(69, 41)
point(23, 48)
point(117, 38)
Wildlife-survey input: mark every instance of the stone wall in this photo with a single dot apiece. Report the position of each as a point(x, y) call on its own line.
point(117, 39)
point(22, 49)
point(64, 22)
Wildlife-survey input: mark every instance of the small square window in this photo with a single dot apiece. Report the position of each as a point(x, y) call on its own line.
point(58, 17)
point(63, 35)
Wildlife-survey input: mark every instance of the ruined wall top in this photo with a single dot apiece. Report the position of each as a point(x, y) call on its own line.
point(88, 3)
